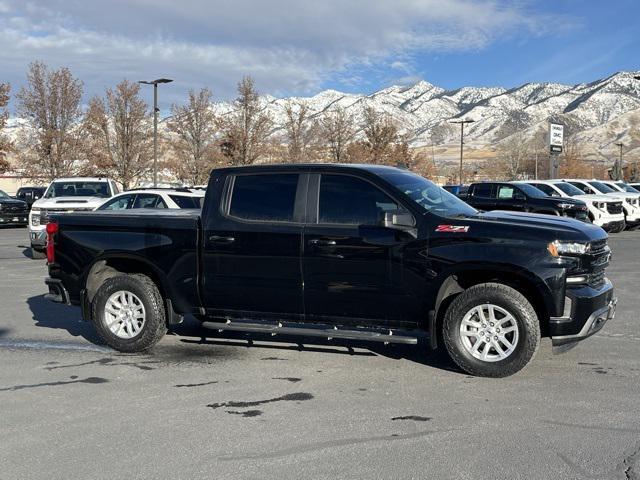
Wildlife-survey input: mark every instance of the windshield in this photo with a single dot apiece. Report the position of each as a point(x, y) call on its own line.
point(532, 191)
point(568, 189)
point(428, 195)
point(602, 187)
point(3, 194)
point(78, 189)
point(626, 187)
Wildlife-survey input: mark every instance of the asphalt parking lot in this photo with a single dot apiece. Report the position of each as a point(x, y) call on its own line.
point(210, 405)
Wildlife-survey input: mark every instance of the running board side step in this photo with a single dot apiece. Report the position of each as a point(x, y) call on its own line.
point(324, 332)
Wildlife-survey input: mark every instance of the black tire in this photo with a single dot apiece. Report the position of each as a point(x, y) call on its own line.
point(155, 324)
point(508, 299)
point(38, 254)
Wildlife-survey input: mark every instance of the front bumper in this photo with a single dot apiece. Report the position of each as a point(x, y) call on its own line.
point(38, 238)
point(587, 309)
point(11, 218)
point(613, 226)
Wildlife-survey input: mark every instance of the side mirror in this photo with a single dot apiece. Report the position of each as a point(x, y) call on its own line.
point(400, 220)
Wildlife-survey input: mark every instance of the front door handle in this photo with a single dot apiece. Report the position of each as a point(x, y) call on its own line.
point(320, 242)
point(221, 239)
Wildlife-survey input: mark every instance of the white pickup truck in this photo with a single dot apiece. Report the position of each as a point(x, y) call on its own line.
point(66, 195)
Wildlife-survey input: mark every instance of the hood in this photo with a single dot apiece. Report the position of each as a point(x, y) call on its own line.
point(69, 202)
point(559, 200)
point(543, 226)
point(595, 198)
point(12, 201)
point(622, 195)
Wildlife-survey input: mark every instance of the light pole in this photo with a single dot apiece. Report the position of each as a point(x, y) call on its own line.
point(462, 123)
point(618, 170)
point(155, 123)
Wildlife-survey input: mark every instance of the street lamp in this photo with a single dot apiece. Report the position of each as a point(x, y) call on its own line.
point(155, 123)
point(618, 170)
point(462, 123)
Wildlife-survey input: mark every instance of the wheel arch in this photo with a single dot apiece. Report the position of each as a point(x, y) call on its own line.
point(464, 277)
point(108, 266)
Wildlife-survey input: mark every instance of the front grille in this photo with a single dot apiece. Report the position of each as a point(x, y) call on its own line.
point(14, 209)
point(44, 214)
point(598, 246)
point(596, 279)
point(614, 207)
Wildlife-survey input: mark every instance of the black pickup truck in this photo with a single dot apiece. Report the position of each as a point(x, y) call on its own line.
point(521, 197)
point(358, 252)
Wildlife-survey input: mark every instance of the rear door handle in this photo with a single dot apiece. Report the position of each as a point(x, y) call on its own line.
point(318, 241)
point(221, 239)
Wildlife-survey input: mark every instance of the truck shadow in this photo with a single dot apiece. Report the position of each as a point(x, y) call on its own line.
point(191, 332)
point(52, 315)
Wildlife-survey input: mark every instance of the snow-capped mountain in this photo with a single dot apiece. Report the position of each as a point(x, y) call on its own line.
point(599, 114)
point(423, 111)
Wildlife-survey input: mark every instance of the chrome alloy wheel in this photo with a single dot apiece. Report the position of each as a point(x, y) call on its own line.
point(489, 333)
point(124, 314)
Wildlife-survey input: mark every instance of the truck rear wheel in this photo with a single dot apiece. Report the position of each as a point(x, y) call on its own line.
point(37, 254)
point(491, 330)
point(128, 313)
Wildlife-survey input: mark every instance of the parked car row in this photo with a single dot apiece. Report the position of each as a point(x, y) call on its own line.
point(612, 205)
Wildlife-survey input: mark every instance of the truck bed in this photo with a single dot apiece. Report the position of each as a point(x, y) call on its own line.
point(165, 243)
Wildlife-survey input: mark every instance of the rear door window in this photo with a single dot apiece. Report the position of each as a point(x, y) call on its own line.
point(482, 190)
point(185, 202)
point(264, 197)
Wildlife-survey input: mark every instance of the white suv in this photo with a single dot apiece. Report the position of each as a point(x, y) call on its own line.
point(604, 210)
point(66, 195)
point(172, 198)
point(630, 201)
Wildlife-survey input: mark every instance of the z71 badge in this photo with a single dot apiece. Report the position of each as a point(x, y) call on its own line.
point(453, 228)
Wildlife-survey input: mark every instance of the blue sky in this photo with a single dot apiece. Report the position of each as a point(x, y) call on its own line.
point(294, 47)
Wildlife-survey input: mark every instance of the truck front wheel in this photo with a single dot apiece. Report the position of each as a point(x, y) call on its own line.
point(128, 313)
point(491, 330)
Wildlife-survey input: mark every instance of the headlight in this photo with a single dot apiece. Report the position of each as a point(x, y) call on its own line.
point(558, 249)
point(564, 206)
point(600, 205)
point(35, 218)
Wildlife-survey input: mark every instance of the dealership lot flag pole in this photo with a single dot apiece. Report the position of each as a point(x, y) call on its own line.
point(155, 123)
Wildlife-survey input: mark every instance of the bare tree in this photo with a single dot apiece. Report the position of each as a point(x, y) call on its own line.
point(301, 132)
point(4, 115)
point(50, 102)
point(402, 155)
point(194, 140)
point(380, 133)
point(337, 130)
point(120, 133)
point(513, 153)
point(573, 163)
point(247, 128)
